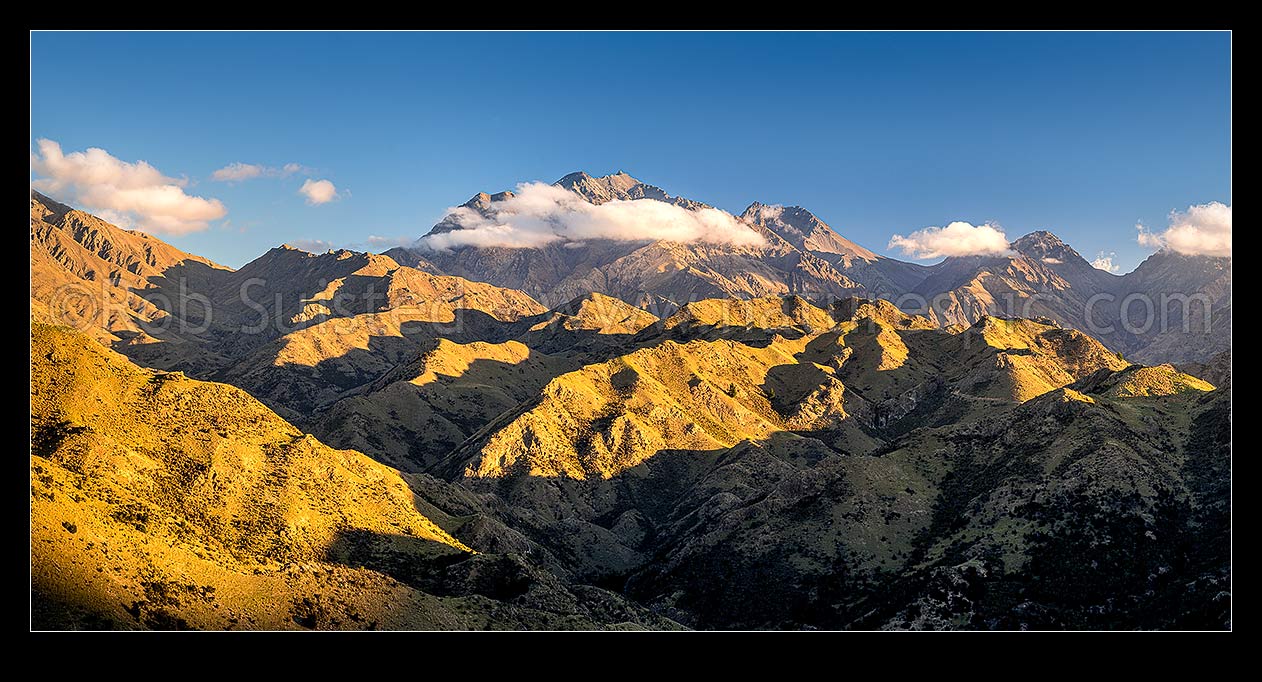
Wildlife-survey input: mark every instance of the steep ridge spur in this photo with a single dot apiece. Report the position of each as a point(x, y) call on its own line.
point(295, 329)
point(742, 370)
point(418, 411)
point(330, 354)
point(1073, 510)
point(300, 290)
point(620, 461)
point(765, 462)
point(164, 502)
point(122, 287)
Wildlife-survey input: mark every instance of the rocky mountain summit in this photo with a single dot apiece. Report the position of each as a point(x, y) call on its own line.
point(653, 434)
point(1042, 276)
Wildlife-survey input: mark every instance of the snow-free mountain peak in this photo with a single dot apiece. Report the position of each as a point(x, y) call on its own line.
point(1045, 246)
point(805, 231)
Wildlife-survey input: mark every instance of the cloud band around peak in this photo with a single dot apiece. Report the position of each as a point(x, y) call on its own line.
point(1201, 230)
point(539, 214)
point(956, 239)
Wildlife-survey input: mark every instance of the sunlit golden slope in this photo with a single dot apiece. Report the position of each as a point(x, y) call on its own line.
point(599, 313)
point(771, 312)
point(116, 285)
point(586, 323)
point(441, 392)
point(164, 502)
point(849, 383)
point(313, 366)
point(610, 416)
point(1216, 371)
point(700, 395)
point(146, 479)
point(300, 290)
point(1014, 359)
point(425, 408)
point(1140, 381)
point(1073, 510)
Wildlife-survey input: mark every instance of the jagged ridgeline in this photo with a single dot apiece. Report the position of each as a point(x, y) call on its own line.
point(159, 501)
point(617, 434)
point(797, 253)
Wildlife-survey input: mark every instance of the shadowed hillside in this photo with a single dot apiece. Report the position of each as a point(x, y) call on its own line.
point(163, 502)
point(760, 451)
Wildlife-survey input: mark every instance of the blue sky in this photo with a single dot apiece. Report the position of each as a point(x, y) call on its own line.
point(1083, 134)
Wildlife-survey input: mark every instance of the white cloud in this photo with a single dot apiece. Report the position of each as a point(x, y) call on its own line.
point(134, 195)
point(374, 241)
point(312, 245)
point(771, 211)
point(1104, 261)
point(318, 191)
point(1146, 238)
point(957, 239)
point(1201, 230)
point(237, 171)
point(540, 214)
point(1053, 261)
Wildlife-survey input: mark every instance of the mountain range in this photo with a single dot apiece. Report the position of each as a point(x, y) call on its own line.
point(1041, 277)
point(620, 433)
